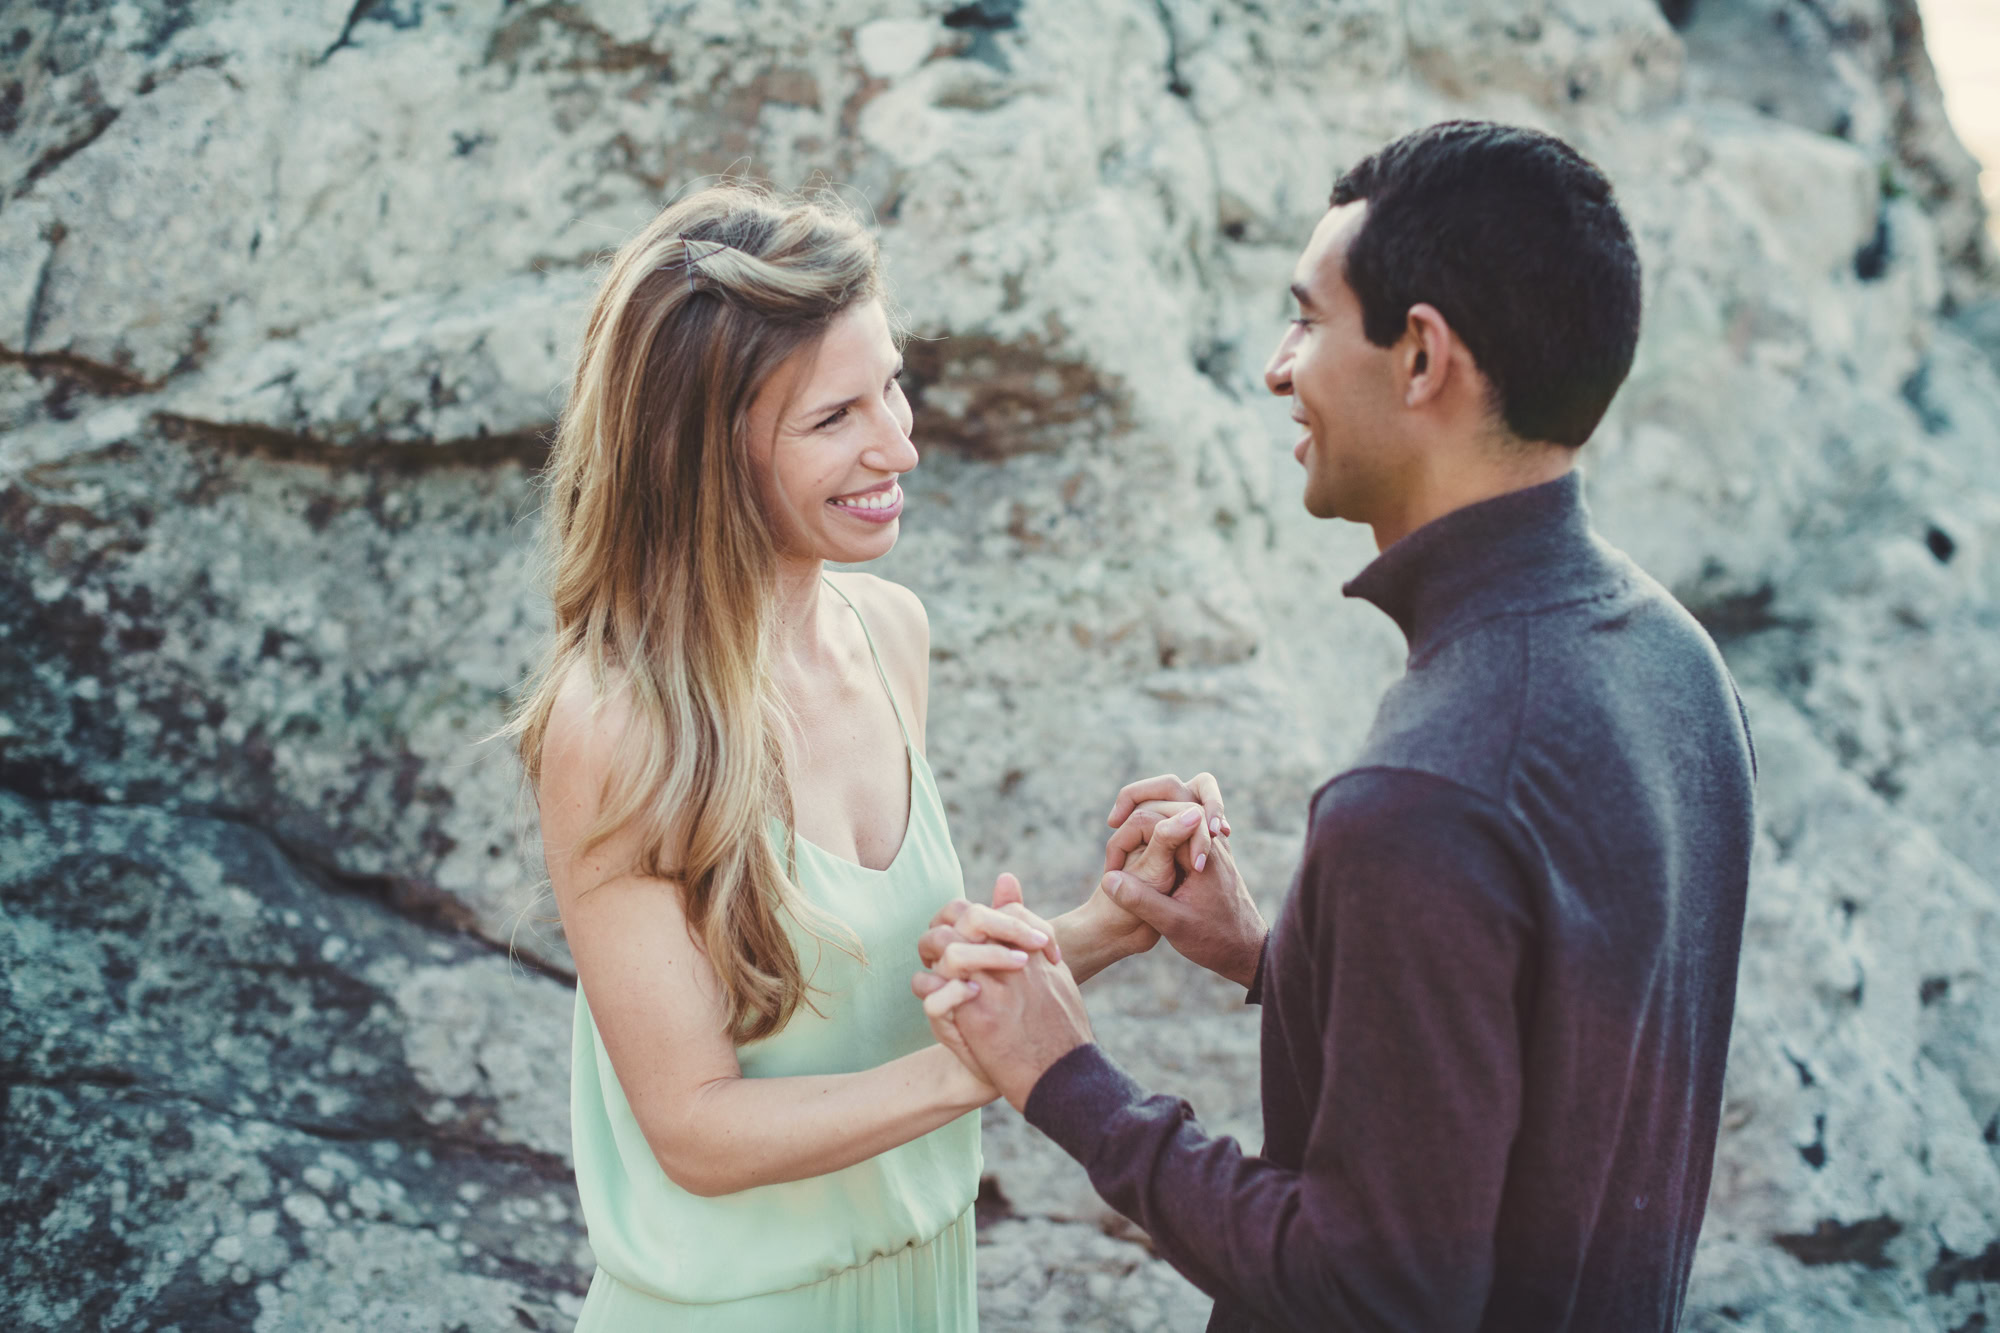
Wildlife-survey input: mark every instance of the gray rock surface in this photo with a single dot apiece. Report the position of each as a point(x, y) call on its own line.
point(286, 299)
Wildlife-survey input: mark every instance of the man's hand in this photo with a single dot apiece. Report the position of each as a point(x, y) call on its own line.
point(1207, 914)
point(967, 941)
point(1007, 1026)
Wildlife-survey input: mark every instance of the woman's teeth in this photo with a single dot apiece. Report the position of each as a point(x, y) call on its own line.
point(874, 500)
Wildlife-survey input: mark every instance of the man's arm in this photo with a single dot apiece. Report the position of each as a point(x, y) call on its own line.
point(1413, 929)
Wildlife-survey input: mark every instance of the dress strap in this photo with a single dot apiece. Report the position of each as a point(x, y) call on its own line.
point(881, 674)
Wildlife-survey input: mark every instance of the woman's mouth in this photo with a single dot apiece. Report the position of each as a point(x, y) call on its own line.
point(876, 506)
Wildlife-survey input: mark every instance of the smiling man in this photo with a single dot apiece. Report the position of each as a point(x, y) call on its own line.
point(1497, 1003)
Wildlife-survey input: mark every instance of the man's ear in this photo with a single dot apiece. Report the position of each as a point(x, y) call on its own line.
point(1426, 354)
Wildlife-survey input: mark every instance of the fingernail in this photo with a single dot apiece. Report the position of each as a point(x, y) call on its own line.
point(972, 986)
point(1187, 818)
point(1038, 938)
point(1017, 955)
point(1215, 824)
point(1200, 861)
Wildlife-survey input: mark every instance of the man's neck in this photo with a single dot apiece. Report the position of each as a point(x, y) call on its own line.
point(1451, 482)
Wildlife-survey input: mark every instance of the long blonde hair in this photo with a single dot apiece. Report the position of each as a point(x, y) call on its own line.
point(664, 562)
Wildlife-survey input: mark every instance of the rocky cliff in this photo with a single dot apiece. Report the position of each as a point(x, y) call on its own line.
point(286, 297)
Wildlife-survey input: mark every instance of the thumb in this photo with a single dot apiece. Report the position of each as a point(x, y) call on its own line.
point(1142, 900)
point(1155, 860)
point(1006, 890)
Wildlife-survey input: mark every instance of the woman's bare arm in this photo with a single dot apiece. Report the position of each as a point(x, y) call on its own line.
point(660, 1010)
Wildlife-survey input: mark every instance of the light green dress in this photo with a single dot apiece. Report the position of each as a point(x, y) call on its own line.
point(883, 1246)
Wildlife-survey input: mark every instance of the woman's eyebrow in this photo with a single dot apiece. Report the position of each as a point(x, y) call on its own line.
point(1301, 295)
point(821, 413)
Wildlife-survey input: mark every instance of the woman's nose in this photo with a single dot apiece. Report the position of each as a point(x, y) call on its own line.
point(892, 449)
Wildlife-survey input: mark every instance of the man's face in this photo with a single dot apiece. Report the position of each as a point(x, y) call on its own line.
point(1343, 388)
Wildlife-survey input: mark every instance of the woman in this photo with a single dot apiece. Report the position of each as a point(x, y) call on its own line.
point(741, 829)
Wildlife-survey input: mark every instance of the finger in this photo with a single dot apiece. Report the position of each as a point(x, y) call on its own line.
point(1156, 861)
point(1006, 889)
point(1166, 787)
point(1029, 919)
point(1033, 927)
point(1131, 836)
point(1156, 909)
point(963, 959)
point(949, 914)
point(923, 983)
point(1209, 792)
point(988, 924)
point(948, 997)
point(933, 942)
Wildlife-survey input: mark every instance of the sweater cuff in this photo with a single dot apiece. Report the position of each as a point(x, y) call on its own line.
point(1255, 995)
point(1076, 1099)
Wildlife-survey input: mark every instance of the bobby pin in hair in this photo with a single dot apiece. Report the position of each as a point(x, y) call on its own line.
point(689, 257)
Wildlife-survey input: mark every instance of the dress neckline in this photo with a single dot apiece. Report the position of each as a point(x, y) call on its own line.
point(910, 756)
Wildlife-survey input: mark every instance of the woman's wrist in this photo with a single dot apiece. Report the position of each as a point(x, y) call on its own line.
point(959, 1089)
point(1095, 935)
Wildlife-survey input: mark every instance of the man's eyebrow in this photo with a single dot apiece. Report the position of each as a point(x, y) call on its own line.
point(1301, 295)
point(822, 413)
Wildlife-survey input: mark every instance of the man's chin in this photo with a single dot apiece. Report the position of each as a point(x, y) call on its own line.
point(1321, 506)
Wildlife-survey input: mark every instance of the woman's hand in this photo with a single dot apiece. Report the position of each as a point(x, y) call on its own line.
point(1208, 915)
point(1166, 795)
point(958, 950)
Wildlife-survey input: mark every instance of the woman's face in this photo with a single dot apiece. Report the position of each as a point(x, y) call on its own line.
point(831, 434)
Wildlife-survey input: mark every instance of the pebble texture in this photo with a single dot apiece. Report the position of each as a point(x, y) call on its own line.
point(287, 297)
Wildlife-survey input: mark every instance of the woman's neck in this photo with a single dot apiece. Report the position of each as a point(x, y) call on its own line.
point(799, 597)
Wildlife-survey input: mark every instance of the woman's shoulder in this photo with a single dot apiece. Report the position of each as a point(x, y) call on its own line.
point(896, 617)
point(590, 715)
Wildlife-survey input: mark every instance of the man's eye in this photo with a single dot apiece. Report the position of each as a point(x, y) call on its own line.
point(1300, 322)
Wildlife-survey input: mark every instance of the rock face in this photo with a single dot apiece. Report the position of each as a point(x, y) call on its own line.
point(286, 302)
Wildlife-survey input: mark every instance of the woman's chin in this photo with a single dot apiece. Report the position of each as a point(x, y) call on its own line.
point(859, 548)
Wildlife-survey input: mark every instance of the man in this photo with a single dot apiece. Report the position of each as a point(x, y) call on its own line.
point(1497, 1003)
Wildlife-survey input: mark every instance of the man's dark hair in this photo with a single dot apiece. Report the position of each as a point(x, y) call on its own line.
point(1516, 240)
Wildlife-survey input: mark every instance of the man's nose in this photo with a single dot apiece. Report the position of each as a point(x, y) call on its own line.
point(1278, 370)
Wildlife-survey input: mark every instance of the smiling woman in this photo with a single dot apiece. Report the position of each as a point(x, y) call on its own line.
point(727, 750)
point(834, 421)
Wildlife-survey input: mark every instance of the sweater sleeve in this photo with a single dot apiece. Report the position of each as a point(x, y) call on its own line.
point(1413, 907)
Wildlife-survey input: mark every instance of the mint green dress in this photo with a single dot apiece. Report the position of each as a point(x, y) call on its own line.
point(883, 1246)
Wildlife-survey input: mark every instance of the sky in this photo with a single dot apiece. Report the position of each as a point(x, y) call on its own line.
point(1963, 37)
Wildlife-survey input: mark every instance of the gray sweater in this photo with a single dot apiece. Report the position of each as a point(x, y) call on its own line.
point(1497, 1000)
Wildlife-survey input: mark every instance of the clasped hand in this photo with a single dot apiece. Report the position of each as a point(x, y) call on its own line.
point(1002, 993)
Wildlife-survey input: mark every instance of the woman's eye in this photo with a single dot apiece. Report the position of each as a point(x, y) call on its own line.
point(833, 420)
point(1300, 322)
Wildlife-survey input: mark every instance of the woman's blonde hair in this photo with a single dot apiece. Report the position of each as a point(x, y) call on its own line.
point(664, 561)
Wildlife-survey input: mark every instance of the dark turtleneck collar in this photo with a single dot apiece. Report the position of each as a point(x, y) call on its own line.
point(1522, 551)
